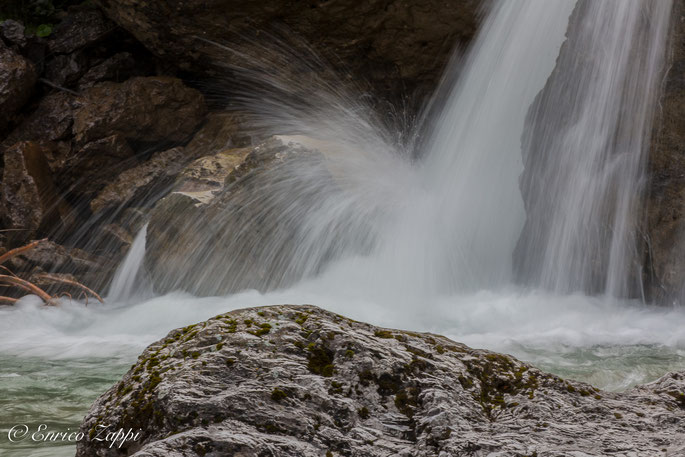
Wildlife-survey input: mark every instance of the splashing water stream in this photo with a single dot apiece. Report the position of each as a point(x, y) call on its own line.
point(438, 228)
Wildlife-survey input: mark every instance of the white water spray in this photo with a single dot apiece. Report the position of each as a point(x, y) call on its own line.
point(458, 231)
point(129, 280)
point(438, 229)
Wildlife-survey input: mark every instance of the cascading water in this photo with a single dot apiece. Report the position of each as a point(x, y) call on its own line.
point(129, 280)
point(444, 223)
point(585, 146)
point(382, 233)
point(458, 231)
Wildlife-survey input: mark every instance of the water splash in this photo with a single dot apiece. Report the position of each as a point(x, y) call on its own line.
point(130, 280)
point(436, 216)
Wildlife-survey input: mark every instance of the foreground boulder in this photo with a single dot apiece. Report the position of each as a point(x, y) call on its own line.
point(300, 381)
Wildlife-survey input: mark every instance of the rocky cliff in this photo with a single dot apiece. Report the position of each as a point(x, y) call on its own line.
point(664, 228)
point(398, 45)
point(300, 381)
point(102, 107)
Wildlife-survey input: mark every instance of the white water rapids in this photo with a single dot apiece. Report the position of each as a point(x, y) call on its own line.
point(442, 259)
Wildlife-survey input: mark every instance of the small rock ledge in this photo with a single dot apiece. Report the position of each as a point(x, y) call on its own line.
point(300, 381)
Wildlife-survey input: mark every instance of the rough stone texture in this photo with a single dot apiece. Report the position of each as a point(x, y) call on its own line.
point(17, 78)
point(91, 169)
point(300, 381)
point(220, 230)
point(397, 44)
point(215, 146)
point(66, 69)
point(143, 109)
point(78, 29)
point(221, 131)
point(140, 182)
point(28, 191)
point(50, 121)
point(665, 221)
point(13, 32)
point(117, 68)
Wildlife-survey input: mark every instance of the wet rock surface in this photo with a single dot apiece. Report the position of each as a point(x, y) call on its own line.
point(217, 214)
point(143, 109)
point(397, 45)
point(29, 194)
point(105, 94)
point(140, 182)
point(17, 78)
point(300, 381)
point(664, 231)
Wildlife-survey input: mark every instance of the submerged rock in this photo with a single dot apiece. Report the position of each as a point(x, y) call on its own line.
point(300, 381)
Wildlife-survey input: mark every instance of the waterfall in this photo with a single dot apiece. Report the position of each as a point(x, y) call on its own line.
point(528, 169)
point(129, 280)
point(460, 233)
point(585, 145)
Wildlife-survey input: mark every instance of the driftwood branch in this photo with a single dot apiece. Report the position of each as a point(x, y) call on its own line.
point(27, 286)
point(71, 283)
point(9, 254)
point(13, 280)
point(9, 272)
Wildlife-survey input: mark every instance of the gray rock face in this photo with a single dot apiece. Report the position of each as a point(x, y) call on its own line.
point(217, 219)
point(300, 381)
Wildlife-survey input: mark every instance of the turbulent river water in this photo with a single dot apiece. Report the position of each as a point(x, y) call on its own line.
point(450, 220)
point(56, 361)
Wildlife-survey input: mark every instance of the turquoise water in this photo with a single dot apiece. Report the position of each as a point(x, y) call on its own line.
point(54, 362)
point(57, 393)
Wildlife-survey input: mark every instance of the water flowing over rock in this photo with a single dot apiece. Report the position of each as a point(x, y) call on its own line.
point(584, 148)
point(213, 239)
point(396, 45)
point(303, 382)
point(664, 230)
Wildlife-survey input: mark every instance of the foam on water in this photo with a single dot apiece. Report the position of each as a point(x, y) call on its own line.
point(543, 328)
point(414, 239)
